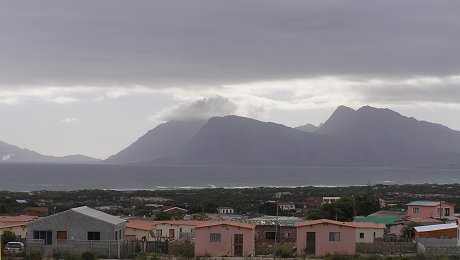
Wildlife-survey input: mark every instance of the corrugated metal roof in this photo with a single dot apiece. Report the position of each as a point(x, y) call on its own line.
point(435, 227)
point(424, 203)
point(99, 215)
point(381, 220)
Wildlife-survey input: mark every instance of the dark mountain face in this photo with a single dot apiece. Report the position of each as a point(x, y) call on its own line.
point(307, 128)
point(395, 139)
point(233, 140)
point(13, 154)
point(164, 140)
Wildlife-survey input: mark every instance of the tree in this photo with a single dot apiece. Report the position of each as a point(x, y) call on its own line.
point(342, 210)
point(366, 204)
point(8, 236)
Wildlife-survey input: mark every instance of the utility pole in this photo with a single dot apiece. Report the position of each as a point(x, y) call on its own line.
point(277, 196)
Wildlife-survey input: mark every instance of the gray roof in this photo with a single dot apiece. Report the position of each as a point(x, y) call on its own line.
point(99, 215)
point(424, 203)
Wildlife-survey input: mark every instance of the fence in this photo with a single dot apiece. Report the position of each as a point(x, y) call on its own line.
point(386, 248)
point(437, 247)
point(107, 248)
point(131, 248)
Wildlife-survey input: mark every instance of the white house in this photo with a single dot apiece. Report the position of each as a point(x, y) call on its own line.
point(225, 210)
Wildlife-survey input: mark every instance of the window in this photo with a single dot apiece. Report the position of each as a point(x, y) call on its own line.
point(158, 233)
point(61, 235)
point(47, 236)
point(334, 236)
point(270, 235)
point(116, 235)
point(374, 234)
point(361, 235)
point(415, 210)
point(94, 235)
point(214, 237)
point(287, 235)
point(120, 234)
point(447, 212)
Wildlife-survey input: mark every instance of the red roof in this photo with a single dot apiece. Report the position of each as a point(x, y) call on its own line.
point(180, 222)
point(325, 221)
point(21, 218)
point(368, 225)
point(146, 225)
point(38, 209)
point(221, 223)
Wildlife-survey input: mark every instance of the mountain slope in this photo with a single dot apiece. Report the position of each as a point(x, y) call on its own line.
point(13, 154)
point(307, 128)
point(395, 139)
point(233, 140)
point(164, 140)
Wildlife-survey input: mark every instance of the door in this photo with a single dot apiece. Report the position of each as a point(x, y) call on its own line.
point(310, 249)
point(238, 245)
point(171, 233)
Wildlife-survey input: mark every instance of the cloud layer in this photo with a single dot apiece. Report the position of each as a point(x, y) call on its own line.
point(184, 43)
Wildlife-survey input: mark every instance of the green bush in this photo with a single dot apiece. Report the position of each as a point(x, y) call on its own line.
point(34, 255)
point(88, 256)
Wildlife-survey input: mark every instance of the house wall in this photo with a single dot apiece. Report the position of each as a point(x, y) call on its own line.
point(20, 231)
point(286, 239)
point(203, 246)
point(429, 211)
point(139, 234)
point(77, 226)
point(346, 245)
point(444, 233)
point(368, 234)
point(177, 229)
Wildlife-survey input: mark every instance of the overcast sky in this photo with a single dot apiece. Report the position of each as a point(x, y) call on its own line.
point(91, 76)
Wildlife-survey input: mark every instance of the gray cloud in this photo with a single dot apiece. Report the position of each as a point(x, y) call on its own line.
point(207, 42)
point(200, 109)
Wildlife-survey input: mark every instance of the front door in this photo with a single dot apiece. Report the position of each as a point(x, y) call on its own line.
point(311, 243)
point(238, 245)
point(171, 233)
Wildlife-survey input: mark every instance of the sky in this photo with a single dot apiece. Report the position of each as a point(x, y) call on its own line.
point(90, 77)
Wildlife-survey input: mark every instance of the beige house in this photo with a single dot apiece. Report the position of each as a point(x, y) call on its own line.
point(176, 229)
point(140, 230)
point(16, 224)
point(366, 232)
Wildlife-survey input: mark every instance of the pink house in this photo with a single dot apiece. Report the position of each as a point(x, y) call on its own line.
point(323, 236)
point(430, 209)
point(224, 239)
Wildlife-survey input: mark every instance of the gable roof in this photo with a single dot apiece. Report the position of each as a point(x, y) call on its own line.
point(141, 224)
point(325, 221)
point(435, 227)
point(229, 223)
point(368, 225)
point(427, 203)
point(21, 218)
point(98, 215)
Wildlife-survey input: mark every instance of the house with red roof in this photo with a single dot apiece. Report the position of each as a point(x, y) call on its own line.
point(225, 238)
point(367, 232)
point(16, 224)
point(137, 229)
point(324, 236)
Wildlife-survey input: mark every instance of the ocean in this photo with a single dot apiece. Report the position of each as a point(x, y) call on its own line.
point(33, 177)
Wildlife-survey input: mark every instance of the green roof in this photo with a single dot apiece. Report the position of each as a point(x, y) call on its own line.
point(379, 220)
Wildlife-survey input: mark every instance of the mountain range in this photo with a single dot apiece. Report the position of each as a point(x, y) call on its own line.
point(364, 137)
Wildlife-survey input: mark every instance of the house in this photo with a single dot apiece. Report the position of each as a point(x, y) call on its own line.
point(397, 227)
point(269, 227)
point(226, 238)
point(366, 232)
point(36, 211)
point(286, 206)
point(329, 200)
point(313, 202)
point(176, 229)
point(137, 229)
point(225, 210)
point(441, 231)
point(323, 236)
point(173, 210)
point(16, 224)
point(73, 228)
point(430, 209)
